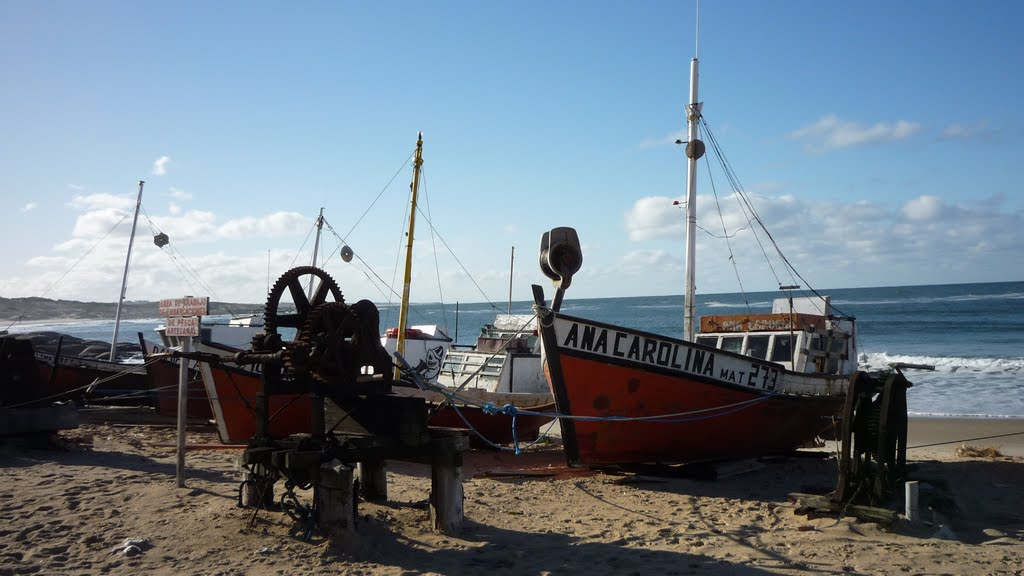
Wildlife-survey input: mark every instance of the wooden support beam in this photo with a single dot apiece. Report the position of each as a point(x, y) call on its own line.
point(446, 495)
point(335, 504)
point(373, 480)
point(869, 513)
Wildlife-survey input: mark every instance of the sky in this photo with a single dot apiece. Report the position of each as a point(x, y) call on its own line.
point(875, 139)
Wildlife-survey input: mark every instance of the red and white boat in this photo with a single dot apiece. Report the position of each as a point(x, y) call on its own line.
point(747, 385)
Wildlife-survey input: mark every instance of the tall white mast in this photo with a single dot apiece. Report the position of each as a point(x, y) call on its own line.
point(316, 245)
point(124, 279)
point(692, 115)
point(694, 151)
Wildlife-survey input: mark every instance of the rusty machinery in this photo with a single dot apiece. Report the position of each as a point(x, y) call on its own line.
point(335, 354)
point(873, 442)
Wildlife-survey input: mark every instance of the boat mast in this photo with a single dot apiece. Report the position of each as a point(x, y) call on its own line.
point(694, 150)
point(124, 279)
point(511, 273)
point(403, 313)
point(316, 244)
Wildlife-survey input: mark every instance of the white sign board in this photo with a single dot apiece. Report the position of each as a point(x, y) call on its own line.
point(187, 306)
point(186, 326)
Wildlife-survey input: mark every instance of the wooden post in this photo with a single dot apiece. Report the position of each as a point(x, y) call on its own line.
point(257, 491)
point(373, 480)
point(334, 500)
point(182, 406)
point(446, 504)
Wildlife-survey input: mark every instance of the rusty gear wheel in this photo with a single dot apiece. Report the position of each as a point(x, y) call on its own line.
point(330, 354)
point(294, 281)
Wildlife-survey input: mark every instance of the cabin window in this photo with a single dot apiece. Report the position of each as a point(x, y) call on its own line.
point(757, 346)
point(817, 343)
point(711, 341)
point(838, 345)
point(782, 348)
point(732, 343)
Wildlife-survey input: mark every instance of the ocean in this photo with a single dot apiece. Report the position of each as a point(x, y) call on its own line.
point(972, 333)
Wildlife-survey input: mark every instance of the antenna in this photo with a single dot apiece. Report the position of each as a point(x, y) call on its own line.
point(696, 47)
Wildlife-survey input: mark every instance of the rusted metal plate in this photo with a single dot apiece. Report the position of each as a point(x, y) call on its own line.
point(760, 322)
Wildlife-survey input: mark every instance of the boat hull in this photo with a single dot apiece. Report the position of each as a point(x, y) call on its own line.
point(164, 376)
point(233, 395)
point(697, 407)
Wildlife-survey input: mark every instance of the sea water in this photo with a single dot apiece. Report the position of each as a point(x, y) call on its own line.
point(973, 334)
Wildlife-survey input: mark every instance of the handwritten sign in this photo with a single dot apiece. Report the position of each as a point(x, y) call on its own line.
point(187, 306)
point(186, 326)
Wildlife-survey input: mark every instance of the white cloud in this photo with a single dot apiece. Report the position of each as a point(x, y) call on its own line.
point(178, 194)
point(29, 207)
point(276, 224)
point(923, 209)
point(834, 244)
point(94, 224)
point(102, 201)
point(76, 187)
point(979, 130)
point(174, 209)
point(654, 217)
point(160, 165)
point(832, 133)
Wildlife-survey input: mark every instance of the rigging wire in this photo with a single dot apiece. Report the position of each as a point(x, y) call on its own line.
point(186, 270)
point(726, 236)
point(299, 252)
point(461, 265)
point(433, 248)
point(68, 271)
point(746, 205)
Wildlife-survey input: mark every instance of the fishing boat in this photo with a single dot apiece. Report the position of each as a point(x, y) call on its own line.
point(92, 370)
point(502, 369)
point(293, 303)
point(746, 385)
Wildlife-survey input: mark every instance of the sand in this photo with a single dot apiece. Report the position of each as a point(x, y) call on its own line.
point(104, 502)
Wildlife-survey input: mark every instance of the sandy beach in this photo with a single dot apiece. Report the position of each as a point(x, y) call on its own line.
point(102, 500)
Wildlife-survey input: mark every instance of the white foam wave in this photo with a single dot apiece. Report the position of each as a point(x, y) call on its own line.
point(933, 299)
point(755, 305)
point(881, 360)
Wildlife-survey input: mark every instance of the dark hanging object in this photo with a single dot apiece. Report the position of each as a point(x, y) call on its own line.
point(695, 149)
point(161, 240)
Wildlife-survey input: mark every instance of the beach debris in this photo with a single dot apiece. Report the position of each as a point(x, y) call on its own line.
point(810, 503)
point(965, 451)
point(266, 550)
point(131, 547)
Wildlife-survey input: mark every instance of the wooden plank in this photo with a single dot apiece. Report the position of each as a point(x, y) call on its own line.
point(869, 513)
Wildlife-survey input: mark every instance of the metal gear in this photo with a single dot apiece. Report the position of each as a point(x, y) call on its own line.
point(294, 281)
point(326, 345)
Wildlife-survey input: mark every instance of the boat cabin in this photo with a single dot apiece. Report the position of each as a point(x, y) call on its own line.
point(800, 334)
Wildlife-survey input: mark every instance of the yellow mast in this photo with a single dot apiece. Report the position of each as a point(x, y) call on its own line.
point(403, 314)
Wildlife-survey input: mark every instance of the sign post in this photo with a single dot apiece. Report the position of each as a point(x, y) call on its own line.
point(183, 322)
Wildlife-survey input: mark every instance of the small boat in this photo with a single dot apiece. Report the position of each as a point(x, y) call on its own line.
point(747, 385)
point(502, 369)
point(77, 369)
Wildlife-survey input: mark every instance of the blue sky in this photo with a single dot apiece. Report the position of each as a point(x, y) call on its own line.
point(878, 140)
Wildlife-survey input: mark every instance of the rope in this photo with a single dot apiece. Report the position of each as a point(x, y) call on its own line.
point(965, 440)
point(513, 411)
point(80, 388)
point(68, 271)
